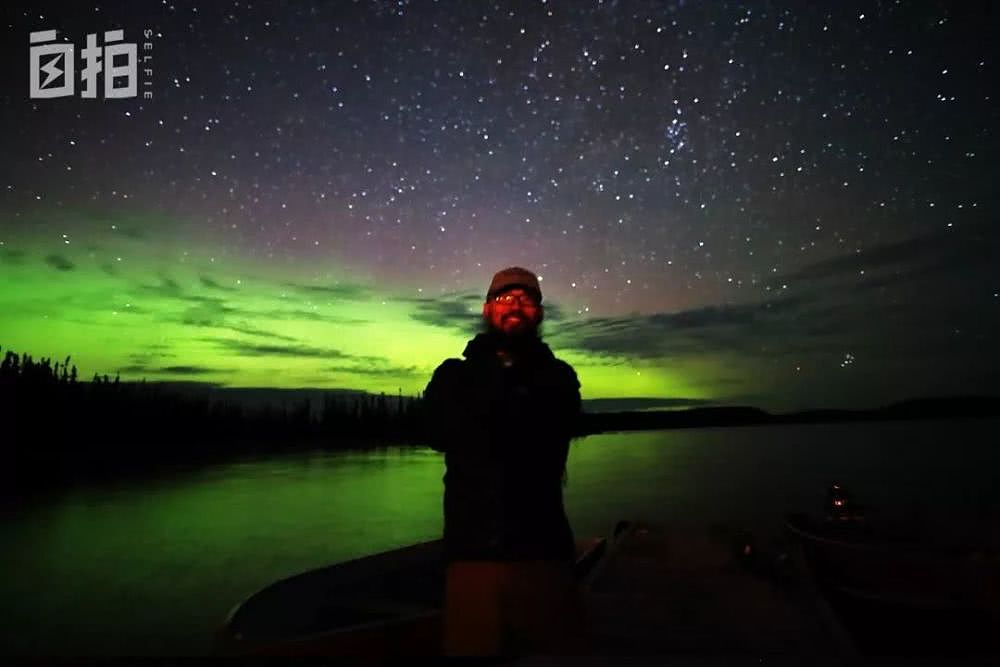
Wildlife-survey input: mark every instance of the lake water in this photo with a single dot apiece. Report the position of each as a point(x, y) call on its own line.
point(152, 567)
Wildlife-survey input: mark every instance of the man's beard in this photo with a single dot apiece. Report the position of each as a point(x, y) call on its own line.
point(527, 333)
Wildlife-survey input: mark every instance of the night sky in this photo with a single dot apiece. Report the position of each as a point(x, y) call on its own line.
point(786, 205)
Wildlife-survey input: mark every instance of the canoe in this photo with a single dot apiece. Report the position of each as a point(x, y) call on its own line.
point(375, 607)
point(900, 596)
point(861, 562)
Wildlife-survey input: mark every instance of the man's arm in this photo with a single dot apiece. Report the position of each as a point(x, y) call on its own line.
point(571, 411)
point(440, 409)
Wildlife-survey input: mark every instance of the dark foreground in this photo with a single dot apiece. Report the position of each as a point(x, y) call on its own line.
point(651, 590)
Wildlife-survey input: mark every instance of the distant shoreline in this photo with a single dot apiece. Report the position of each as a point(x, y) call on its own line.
point(960, 407)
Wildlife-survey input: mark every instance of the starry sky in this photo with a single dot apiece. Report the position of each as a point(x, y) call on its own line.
point(788, 205)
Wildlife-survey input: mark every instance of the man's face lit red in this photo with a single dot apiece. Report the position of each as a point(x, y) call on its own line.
point(514, 312)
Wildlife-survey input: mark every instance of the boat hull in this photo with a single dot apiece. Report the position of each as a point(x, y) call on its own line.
point(376, 607)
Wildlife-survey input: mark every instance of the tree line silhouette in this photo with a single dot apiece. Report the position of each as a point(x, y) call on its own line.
point(63, 427)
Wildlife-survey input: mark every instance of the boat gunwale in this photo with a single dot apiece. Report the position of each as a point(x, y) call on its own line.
point(405, 550)
point(900, 547)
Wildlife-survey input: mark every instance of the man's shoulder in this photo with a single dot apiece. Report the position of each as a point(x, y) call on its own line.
point(565, 372)
point(449, 369)
point(449, 365)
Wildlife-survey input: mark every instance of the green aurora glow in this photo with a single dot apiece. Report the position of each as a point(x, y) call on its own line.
point(121, 301)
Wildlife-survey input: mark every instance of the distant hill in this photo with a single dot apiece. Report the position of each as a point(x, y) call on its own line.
point(640, 404)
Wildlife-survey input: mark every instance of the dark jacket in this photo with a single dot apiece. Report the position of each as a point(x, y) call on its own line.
point(505, 432)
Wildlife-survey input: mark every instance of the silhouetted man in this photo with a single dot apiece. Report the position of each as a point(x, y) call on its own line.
point(504, 417)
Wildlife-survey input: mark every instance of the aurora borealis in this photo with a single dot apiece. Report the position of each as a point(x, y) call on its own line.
point(774, 204)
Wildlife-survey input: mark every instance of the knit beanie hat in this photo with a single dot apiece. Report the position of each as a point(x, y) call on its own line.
point(514, 276)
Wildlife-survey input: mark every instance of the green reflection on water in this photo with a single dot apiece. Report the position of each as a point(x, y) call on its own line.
point(149, 567)
point(153, 567)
